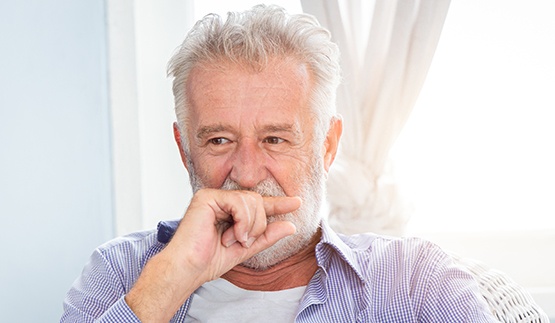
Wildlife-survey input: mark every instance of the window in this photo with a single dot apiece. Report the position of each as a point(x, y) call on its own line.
point(476, 157)
point(478, 151)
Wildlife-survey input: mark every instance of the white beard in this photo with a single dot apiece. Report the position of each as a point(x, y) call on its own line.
point(306, 219)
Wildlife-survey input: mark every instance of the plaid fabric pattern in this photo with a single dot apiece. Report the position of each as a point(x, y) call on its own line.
point(361, 278)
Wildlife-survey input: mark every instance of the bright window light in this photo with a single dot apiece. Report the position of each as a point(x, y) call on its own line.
point(478, 153)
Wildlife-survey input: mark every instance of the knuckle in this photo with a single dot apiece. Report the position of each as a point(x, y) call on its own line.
point(252, 198)
point(203, 192)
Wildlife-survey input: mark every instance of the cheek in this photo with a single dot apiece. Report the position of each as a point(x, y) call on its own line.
point(211, 171)
point(293, 175)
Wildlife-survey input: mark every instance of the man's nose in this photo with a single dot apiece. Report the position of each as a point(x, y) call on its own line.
point(248, 164)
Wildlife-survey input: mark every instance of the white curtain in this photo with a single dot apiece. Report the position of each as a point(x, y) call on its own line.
point(386, 47)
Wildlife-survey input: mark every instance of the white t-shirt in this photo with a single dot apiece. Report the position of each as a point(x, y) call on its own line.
point(221, 301)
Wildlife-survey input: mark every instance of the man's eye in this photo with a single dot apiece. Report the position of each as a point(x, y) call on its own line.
point(273, 140)
point(218, 141)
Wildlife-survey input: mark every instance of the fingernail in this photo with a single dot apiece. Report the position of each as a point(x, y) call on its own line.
point(245, 237)
point(250, 241)
point(228, 243)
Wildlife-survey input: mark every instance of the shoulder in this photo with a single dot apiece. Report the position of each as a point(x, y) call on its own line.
point(369, 252)
point(391, 255)
point(422, 278)
point(109, 274)
point(128, 252)
point(132, 242)
point(380, 246)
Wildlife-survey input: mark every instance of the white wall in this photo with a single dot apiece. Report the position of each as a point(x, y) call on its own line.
point(55, 187)
point(150, 181)
point(160, 27)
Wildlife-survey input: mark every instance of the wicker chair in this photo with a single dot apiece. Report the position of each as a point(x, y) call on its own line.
point(508, 301)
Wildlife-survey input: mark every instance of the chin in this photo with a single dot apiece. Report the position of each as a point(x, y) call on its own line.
point(307, 228)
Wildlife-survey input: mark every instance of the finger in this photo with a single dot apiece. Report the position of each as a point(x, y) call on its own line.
point(272, 232)
point(259, 223)
point(249, 212)
point(239, 206)
point(281, 204)
point(275, 231)
point(228, 237)
point(250, 218)
point(259, 219)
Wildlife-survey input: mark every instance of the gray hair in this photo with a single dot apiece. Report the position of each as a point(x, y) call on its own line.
point(252, 38)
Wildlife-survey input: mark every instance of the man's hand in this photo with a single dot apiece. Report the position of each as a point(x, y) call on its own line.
point(220, 230)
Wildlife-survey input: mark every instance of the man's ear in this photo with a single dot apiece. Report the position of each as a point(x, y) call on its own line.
point(331, 144)
point(177, 137)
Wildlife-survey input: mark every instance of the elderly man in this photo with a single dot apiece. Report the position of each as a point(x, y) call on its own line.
point(257, 132)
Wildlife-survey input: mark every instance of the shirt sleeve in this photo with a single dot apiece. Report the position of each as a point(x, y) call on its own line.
point(451, 293)
point(97, 295)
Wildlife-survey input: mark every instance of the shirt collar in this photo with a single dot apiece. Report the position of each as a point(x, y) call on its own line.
point(166, 230)
point(333, 244)
point(330, 243)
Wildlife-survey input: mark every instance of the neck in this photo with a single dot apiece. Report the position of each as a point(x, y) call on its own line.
point(294, 271)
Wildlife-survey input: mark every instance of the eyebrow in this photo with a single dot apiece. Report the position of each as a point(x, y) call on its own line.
point(210, 129)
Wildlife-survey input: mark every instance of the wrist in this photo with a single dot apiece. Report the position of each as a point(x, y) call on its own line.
point(163, 286)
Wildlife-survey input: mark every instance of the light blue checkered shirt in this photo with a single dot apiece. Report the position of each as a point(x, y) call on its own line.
point(360, 278)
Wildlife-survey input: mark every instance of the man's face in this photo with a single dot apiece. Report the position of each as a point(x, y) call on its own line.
point(253, 131)
point(249, 127)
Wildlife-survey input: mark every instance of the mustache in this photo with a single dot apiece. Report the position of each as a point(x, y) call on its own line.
point(268, 187)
